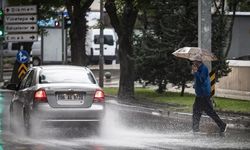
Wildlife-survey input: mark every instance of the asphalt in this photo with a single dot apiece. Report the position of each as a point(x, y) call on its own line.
point(234, 120)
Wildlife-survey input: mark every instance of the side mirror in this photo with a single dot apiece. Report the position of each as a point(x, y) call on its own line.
point(12, 86)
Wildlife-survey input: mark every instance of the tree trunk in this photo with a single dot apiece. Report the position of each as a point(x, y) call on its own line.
point(126, 84)
point(183, 85)
point(77, 12)
point(160, 87)
point(14, 77)
point(77, 38)
point(124, 26)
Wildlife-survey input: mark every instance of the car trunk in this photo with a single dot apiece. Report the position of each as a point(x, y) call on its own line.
point(70, 95)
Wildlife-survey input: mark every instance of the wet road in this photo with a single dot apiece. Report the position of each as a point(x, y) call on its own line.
point(124, 128)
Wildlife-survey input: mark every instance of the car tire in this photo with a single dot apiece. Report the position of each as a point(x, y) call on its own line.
point(26, 122)
point(36, 61)
point(14, 121)
point(11, 119)
point(96, 128)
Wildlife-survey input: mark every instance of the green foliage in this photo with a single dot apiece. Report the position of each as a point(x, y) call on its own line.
point(170, 25)
point(121, 4)
point(222, 25)
point(184, 103)
point(243, 5)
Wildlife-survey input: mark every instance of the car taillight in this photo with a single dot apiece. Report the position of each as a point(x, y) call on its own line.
point(99, 96)
point(40, 96)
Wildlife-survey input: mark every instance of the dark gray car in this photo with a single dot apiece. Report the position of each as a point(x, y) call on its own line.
point(57, 93)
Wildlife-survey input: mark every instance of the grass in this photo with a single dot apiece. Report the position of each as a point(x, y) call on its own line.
point(186, 102)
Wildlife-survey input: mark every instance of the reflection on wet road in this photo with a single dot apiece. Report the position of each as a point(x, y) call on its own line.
point(125, 128)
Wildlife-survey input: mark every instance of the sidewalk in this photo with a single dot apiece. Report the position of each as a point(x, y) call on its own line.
point(234, 120)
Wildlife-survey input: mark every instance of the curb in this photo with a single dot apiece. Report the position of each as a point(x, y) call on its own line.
point(234, 120)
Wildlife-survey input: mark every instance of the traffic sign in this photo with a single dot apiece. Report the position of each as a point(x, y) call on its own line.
point(11, 10)
point(22, 56)
point(212, 82)
point(20, 28)
point(20, 23)
point(21, 37)
point(22, 70)
point(20, 19)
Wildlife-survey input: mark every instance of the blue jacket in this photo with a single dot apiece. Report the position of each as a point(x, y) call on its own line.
point(202, 81)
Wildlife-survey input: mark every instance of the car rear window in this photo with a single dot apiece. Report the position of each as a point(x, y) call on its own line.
point(66, 76)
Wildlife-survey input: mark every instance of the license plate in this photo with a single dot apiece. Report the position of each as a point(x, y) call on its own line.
point(76, 96)
point(70, 99)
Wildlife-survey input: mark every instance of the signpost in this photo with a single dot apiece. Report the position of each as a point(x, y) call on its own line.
point(22, 56)
point(11, 10)
point(21, 37)
point(13, 28)
point(22, 69)
point(20, 19)
point(21, 26)
point(20, 23)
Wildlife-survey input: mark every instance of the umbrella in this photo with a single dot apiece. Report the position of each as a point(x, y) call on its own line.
point(195, 53)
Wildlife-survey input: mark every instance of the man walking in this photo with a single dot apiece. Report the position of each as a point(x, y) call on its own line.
point(202, 100)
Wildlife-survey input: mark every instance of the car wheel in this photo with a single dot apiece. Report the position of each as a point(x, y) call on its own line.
point(26, 121)
point(36, 61)
point(11, 119)
point(14, 120)
point(96, 128)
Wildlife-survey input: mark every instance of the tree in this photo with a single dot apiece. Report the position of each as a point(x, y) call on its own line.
point(242, 5)
point(77, 11)
point(170, 25)
point(222, 25)
point(123, 19)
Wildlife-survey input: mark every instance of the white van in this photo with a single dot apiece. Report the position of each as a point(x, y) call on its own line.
point(109, 47)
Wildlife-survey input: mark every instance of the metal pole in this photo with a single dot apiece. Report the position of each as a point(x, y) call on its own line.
point(63, 49)
point(1, 51)
point(204, 26)
point(1, 60)
point(42, 47)
point(101, 60)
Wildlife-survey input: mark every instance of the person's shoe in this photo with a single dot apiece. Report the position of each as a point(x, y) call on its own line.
point(224, 129)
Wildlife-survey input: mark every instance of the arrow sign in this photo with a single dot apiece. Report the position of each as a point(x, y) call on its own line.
point(22, 56)
point(11, 10)
point(22, 70)
point(20, 19)
point(21, 28)
point(21, 37)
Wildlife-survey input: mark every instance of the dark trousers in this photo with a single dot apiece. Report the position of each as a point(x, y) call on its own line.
point(205, 104)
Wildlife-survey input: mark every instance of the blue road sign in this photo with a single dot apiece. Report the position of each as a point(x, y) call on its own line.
point(22, 56)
